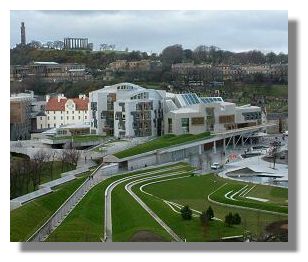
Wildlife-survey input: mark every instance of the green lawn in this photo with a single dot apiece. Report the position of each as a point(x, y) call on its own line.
point(193, 191)
point(219, 196)
point(26, 219)
point(191, 230)
point(128, 217)
point(161, 142)
point(86, 222)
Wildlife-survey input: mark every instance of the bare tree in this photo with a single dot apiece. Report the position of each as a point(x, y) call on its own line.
point(37, 164)
point(63, 160)
point(72, 155)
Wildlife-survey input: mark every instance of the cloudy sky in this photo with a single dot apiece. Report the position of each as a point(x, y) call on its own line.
point(151, 31)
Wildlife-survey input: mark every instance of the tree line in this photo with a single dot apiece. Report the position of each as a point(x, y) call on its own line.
point(27, 174)
point(169, 55)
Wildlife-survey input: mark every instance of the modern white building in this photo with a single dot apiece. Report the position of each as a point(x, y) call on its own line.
point(128, 110)
point(189, 113)
point(61, 111)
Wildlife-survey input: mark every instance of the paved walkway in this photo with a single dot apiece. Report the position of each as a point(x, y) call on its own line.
point(19, 201)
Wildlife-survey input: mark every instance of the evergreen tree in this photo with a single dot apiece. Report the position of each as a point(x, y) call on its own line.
point(210, 213)
point(186, 213)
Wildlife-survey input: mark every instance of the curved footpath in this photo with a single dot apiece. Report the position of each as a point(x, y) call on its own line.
point(241, 207)
point(128, 188)
point(108, 191)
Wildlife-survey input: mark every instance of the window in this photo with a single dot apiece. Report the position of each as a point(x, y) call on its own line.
point(79, 117)
point(226, 119)
point(197, 121)
point(54, 112)
point(85, 117)
point(67, 117)
point(66, 112)
point(61, 117)
point(169, 125)
point(40, 118)
point(72, 117)
point(185, 124)
point(72, 112)
point(48, 125)
point(54, 118)
point(41, 126)
point(48, 118)
point(54, 125)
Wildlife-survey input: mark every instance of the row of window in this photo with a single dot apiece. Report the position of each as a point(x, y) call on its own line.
point(144, 95)
point(79, 117)
point(252, 115)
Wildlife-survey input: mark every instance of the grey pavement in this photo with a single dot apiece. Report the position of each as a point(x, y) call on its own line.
point(19, 201)
point(57, 182)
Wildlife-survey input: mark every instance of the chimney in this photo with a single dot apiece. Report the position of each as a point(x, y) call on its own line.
point(82, 96)
point(47, 98)
point(60, 96)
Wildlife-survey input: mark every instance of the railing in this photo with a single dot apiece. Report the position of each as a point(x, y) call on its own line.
point(58, 216)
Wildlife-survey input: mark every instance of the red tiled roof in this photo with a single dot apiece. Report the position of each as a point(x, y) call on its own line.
point(54, 105)
point(81, 104)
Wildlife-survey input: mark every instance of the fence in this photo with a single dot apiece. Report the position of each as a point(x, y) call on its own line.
point(56, 219)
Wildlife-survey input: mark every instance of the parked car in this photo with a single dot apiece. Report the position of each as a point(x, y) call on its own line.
point(216, 166)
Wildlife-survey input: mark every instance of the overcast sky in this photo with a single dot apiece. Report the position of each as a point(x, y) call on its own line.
point(151, 31)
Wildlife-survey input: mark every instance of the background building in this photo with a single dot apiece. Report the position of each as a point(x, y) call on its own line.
point(20, 115)
point(60, 111)
point(77, 44)
point(50, 71)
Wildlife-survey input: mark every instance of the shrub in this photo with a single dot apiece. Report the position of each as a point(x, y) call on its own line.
point(210, 213)
point(186, 213)
point(236, 219)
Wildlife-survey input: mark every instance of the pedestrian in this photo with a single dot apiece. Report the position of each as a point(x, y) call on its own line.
point(85, 159)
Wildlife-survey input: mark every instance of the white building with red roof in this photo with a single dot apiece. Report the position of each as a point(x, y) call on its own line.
point(60, 111)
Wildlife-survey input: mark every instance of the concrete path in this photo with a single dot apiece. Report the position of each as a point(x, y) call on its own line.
point(19, 201)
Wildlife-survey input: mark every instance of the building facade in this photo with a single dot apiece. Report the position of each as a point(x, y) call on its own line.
point(49, 71)
point(128, 110)
point(60, 111)
point(20, 116)
point(189, 113)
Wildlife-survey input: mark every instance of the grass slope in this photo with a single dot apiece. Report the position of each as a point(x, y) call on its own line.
point(161, 142)
point(219, 196)
point(86, 222)
point(193, 191)
point(29, 217)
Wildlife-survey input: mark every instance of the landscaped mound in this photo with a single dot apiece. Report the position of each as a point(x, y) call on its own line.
point(161, 142)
